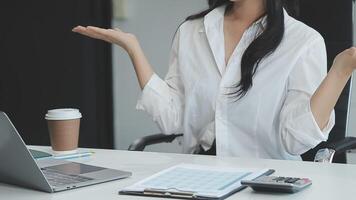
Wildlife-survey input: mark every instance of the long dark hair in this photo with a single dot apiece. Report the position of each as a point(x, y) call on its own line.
point(264, 45)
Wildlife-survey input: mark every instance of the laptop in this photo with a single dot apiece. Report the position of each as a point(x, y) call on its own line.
point(18, 167)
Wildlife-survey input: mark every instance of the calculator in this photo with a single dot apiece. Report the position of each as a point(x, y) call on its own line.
point(277, 184)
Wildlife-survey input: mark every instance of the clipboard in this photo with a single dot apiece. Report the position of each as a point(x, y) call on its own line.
point(187, 181)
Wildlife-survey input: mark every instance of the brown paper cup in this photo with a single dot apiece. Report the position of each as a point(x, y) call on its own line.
point(64, 126)
point(64, 134)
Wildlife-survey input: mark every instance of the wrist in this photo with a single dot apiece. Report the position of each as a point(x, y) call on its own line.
point(342, 71)
point(133, 49)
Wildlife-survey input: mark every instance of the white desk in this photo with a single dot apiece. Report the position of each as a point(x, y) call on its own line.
point(351, 157)
point(330, 181)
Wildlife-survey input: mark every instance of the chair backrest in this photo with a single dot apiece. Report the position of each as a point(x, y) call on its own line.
point(325, 16)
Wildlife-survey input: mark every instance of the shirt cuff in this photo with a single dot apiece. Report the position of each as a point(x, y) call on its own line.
point(208, 136)
point(307, 130)
point(152, 93)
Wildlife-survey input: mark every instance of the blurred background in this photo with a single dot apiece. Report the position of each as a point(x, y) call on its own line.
point(43, 65)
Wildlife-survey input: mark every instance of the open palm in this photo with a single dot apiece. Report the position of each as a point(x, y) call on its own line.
point(115, 36)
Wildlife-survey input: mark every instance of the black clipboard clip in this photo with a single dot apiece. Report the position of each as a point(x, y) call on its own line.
point(169, 194)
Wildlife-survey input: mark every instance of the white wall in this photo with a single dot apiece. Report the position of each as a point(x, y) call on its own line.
point(154, 22)
point(351, 130)
point(351, 124)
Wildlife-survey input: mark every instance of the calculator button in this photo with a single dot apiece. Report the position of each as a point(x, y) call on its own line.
point(291, 180)
point(279, 179)
point(303, 181)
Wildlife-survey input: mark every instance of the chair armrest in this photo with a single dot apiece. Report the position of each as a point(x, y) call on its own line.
point(349, 143)
point(329, 150)
point(141, 143)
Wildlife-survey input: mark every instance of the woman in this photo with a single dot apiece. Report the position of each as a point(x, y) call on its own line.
point(244, 74)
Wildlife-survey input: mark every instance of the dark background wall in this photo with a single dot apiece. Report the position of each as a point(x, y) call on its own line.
point(43, 65)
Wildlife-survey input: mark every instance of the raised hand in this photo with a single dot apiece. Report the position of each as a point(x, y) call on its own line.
point(325, 97)
point(127, 41)
point(345, 62)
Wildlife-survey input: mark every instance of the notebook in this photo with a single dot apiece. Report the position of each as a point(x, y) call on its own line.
point(38, 155)
point(190, 181)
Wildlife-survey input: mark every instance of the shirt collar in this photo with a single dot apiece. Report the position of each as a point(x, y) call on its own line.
point(216, 16)
point(261, 22)
point(213, 18)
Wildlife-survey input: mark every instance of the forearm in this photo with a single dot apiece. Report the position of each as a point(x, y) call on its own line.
point(325, 98)
point(128, 42)
point(141, 65)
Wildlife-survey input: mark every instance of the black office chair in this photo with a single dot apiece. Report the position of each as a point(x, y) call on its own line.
point(325, 152)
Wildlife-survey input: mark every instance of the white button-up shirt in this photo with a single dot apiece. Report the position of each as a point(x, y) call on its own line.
point(274, 119)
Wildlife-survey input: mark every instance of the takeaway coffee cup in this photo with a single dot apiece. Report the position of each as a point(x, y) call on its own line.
point(63, 126)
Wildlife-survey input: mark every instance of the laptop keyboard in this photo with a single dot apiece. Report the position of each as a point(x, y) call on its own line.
point(56, 178)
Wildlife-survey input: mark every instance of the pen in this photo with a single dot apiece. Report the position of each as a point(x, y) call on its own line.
point(76, 155)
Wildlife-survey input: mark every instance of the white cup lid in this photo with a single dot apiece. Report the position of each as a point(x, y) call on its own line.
point(63, 114)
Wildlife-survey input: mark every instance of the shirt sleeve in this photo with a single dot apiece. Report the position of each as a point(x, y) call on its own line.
point(163, 99)
point(298, 127)
point(208, 136)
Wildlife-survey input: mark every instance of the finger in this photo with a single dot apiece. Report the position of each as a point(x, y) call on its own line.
point(108, 35)
point(353, 49)
point(81, 30)
point(87, 32)
point(97, 35)
point(117, 29)
point(97, 30)
point(78, 28)
point(104, 34)
point(350, 51)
